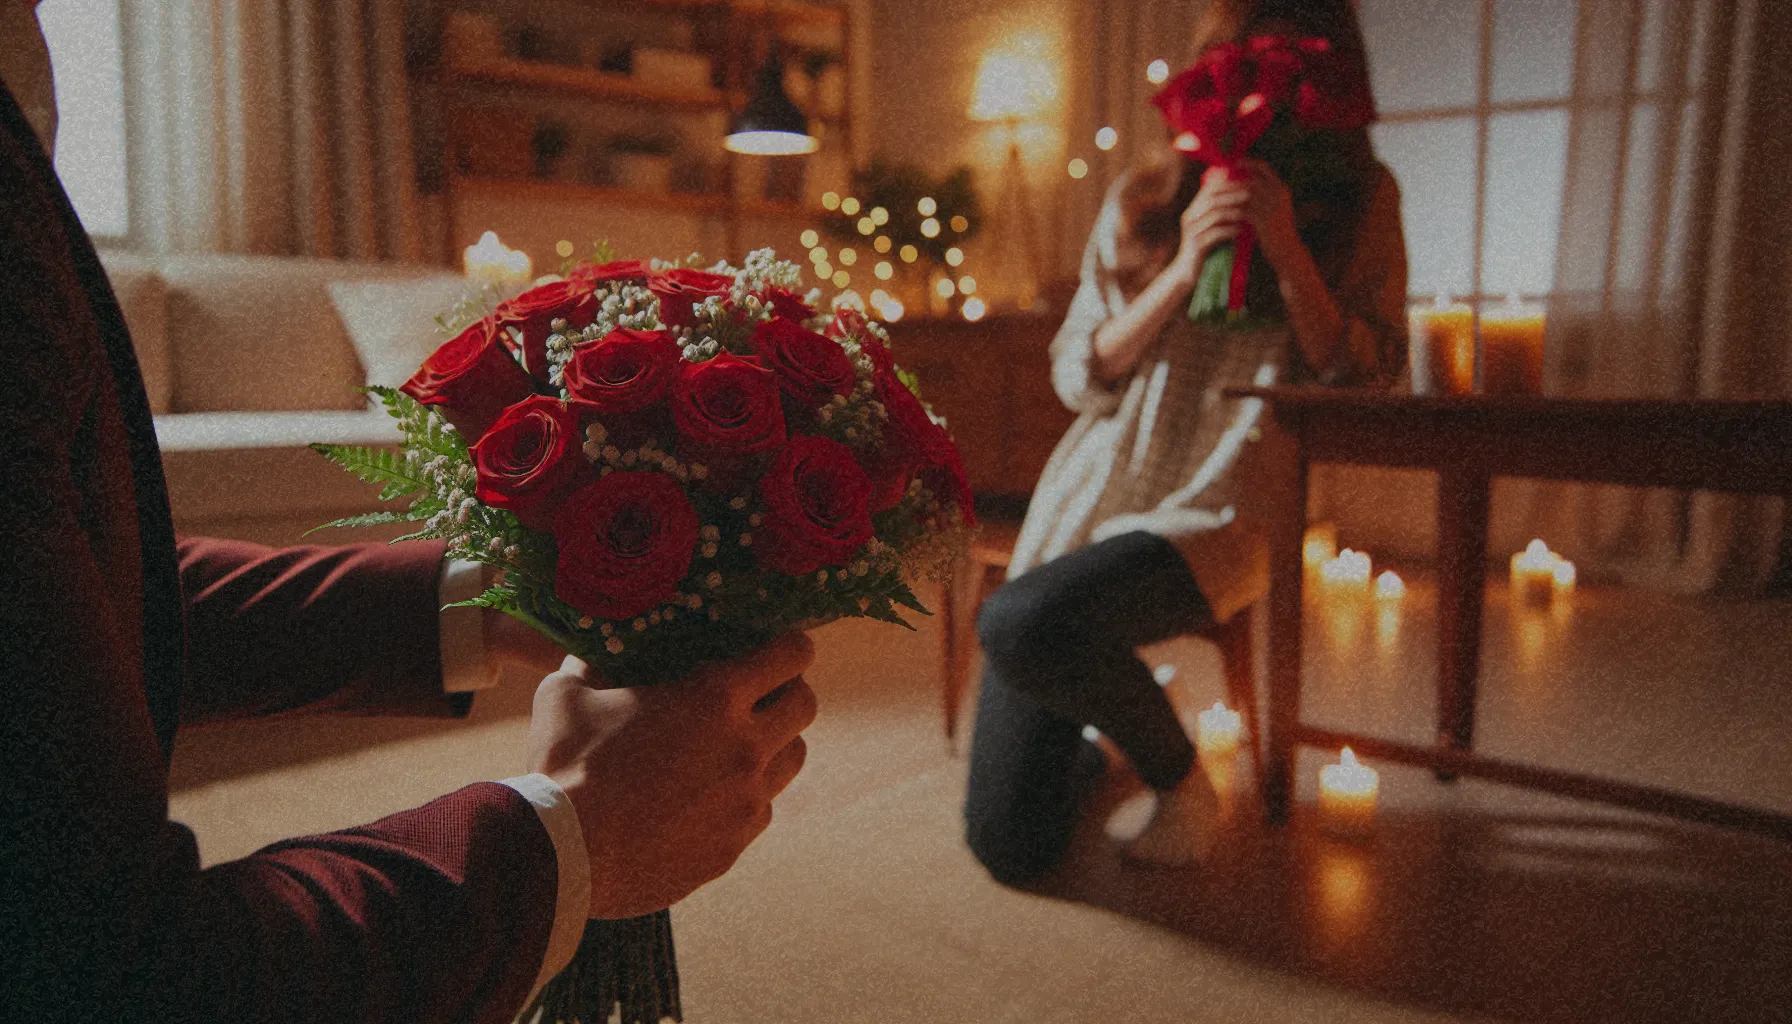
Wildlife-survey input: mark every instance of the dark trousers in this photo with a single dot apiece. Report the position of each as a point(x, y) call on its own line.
point(1059, 643)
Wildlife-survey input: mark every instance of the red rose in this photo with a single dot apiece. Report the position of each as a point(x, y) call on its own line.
point(531, 459)
point(615, 270)
point(810, 368)
point(788, 304)
point(911, 441)
point(472, 378)
point(944, 475)
point(625, 542)
point(726, 408)
point(534, 312)
point(817, 509)
point(625, 371)
point(679, 290)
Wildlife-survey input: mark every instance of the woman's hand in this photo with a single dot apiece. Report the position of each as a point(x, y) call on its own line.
point(1268, 207)
point(1216, 215)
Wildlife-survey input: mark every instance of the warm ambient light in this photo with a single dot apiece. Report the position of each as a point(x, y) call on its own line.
point(824, 269)
point(849, 206)
point(930, 228)
point(830, 200)
point(883, 270)
point(842, 279)
point(909, 254)
point(974, 310)
point(818, 255)
point(1016, 83)
point(1079, 168)
point(1157, 72)
point(945, 288)
point(848, 257)
point(960, 225)
point(954, 256)
point(1106, 139)
point(867, 225)
point(927, 206)
point(882, 244)
point(563, 249)
point(810, 239)
point(967, 284)
point(880, 216)
point(771, 143)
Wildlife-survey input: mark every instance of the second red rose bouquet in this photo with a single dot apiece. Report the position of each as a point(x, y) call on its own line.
point(670, 465)
point(1276, 98)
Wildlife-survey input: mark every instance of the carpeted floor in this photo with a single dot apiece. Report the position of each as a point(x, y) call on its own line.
point(1472, 902)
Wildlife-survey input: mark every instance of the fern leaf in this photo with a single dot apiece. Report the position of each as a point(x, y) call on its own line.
point(369, 519)
point(500, 598)
point(376, 466)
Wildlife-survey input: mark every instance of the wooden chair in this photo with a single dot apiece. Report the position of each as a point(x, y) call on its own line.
point(989, 559)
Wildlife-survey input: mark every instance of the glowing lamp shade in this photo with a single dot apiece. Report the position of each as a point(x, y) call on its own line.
point(770, 125)
point(1013, 85)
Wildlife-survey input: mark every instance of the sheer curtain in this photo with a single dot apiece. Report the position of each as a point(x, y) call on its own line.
point(1672, 273)
point(272, 126)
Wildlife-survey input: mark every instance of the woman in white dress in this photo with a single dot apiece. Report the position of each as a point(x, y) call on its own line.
point(1147, 522)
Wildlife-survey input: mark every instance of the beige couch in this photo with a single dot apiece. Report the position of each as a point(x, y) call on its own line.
point(246, 362)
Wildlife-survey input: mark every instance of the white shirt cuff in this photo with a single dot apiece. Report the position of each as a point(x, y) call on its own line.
point(464, 665)
point(572, 902)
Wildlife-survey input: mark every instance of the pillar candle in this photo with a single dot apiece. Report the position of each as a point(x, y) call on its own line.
point(1320, 545)
point(1512, 349)
point(497, 264)
point(1217, 730)
point(1534, 574)
point(1347, 794)
point(1443, 349)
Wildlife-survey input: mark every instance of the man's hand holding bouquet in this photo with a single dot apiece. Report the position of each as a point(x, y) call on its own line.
point(664, 467)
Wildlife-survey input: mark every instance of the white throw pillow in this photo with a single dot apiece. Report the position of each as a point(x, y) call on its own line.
point(393, 323)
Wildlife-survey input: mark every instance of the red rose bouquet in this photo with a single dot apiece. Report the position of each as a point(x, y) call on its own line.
point(670, 465)
point(1274, 98)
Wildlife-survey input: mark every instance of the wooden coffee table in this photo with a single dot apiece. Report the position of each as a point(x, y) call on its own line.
point(1741, 446)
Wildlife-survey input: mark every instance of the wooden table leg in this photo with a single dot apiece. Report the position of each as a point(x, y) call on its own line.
point(1462, 501)
point(1288, 522)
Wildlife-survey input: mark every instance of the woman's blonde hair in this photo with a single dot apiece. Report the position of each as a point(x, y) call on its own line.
point(1165, 182)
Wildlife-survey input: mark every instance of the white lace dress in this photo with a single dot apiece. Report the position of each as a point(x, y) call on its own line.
point(1162, 449)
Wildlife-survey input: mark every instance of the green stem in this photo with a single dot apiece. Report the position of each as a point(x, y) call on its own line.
point(1213, 287)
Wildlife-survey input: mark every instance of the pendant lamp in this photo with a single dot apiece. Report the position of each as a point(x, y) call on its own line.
point(770, 124)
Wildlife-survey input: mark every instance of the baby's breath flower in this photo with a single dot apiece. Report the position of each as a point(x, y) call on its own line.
point(713, 580)
point(746, 540)
point(585, 622)
point(737, 503)
point(608, 629)
point(710, 533)
point(613, 645)
point(639, 625)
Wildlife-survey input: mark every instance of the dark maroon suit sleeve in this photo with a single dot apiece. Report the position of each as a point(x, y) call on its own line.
point(274, 630)
point(437, 914)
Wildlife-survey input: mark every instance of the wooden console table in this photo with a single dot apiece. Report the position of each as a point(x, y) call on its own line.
point(1702, 445)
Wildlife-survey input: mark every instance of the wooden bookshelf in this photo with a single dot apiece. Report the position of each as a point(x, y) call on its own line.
point(483, 86)
point(526, 189)
point(575, 81)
